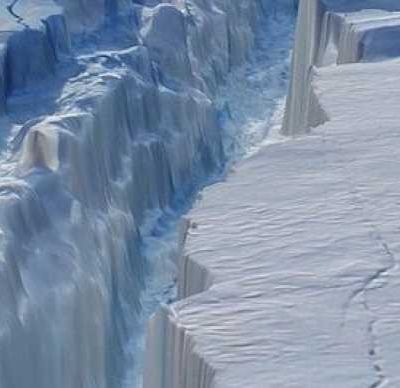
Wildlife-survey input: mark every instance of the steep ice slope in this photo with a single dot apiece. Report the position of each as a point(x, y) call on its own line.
point(108, 125)
point(290, 277)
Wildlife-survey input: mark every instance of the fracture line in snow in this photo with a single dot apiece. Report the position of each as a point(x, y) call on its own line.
point(19, 19)
point(372, 351)
point(361, 292)
point(368, 285)
point(379, 274)
point(374, 338)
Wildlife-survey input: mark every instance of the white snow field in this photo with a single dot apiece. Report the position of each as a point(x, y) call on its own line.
point(290, 276)
point(110, 123)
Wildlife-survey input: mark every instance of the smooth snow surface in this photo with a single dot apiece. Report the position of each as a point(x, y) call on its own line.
point(290, 275)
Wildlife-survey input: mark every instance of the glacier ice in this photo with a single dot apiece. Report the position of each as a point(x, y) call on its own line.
point(290, 272)
point(336, 32)
point(108, 118)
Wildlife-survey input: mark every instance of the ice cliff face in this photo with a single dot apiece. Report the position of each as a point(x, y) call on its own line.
point(107, 115)
point(290, 275)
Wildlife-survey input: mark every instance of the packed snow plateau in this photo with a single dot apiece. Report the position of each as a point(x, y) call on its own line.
point(290, 271)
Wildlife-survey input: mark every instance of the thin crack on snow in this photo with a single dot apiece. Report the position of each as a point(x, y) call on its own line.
point(373, 348)
point(374, 340)
point(362, 291)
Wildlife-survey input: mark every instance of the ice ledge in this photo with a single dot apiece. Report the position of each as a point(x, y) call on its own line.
point(334, 33)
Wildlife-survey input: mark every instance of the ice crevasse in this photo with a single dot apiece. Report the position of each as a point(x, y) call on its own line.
point(107, 114)
point(289, 276)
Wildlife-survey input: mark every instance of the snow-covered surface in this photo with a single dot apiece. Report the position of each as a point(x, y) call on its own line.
point(291, 272)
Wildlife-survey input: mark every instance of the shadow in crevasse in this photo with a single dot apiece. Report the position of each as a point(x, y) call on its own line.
point(253, 102)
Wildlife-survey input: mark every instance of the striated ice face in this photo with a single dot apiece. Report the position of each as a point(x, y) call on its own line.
point(109, 125)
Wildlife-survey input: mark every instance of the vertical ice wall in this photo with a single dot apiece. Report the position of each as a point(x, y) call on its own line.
point(173, 358)
point(307, 38)
point(107, 113)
